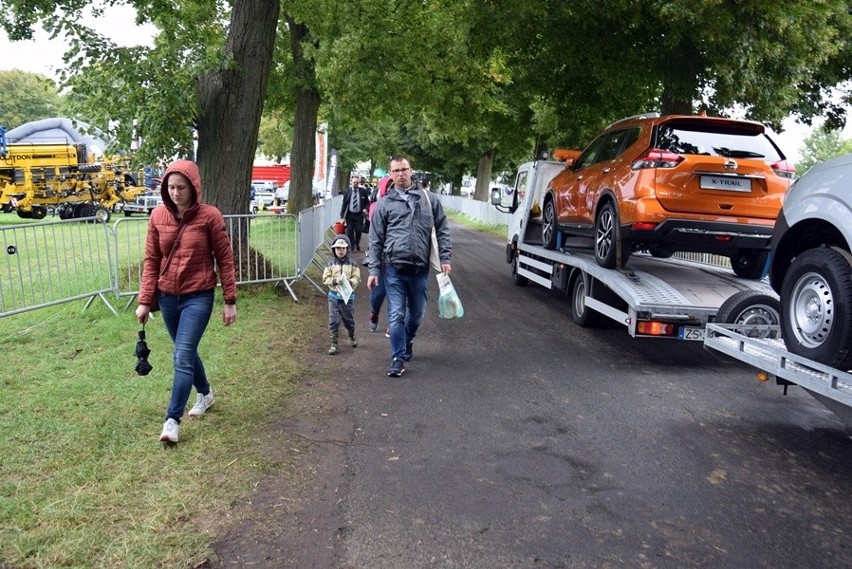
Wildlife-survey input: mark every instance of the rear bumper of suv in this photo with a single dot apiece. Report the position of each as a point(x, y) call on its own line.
point(701, 236)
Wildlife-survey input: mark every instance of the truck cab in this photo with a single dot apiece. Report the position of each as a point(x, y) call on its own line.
point(524, 201)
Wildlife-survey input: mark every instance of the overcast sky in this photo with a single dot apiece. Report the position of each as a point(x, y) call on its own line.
point(43, 55)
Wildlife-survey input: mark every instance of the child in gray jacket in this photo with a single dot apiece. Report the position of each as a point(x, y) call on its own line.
point(341, 276)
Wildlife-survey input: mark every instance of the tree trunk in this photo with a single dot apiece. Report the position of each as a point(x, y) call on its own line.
point(680, 82)
point(482, 192)
point(671, 104)
point(231, 103)
point(303, 153)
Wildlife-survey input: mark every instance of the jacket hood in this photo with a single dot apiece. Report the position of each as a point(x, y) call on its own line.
point(384, 184)
point(190, 170)
point(347, 259)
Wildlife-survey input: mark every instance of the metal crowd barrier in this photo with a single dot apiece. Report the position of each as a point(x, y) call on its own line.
point(48, 263)
point(316, 225)
point(53, 262)
point(265, 250)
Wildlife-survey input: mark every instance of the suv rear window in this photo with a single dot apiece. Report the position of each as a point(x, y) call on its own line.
point(709, 138)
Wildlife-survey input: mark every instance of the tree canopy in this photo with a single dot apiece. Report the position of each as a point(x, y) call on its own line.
point(26, 97)
point(822, 144)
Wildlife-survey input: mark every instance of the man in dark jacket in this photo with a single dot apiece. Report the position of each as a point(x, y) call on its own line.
point(401, 237)
point(356, 202)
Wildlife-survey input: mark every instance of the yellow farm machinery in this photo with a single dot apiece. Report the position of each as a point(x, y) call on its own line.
point(62, 179)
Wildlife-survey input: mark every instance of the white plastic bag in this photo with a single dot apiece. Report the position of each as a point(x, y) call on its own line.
point(449, 304)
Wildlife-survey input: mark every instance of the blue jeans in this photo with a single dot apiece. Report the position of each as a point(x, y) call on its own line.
point(406, 307)
point(186, 319)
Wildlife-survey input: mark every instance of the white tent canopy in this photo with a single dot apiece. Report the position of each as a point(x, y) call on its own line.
point(59, 131)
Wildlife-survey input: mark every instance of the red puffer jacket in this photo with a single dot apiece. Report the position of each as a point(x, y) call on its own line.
point(204, 241)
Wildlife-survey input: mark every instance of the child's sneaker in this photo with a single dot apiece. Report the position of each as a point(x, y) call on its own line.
point(374, 322)
point(387, 332)
point(202, 404)
point(170, 431)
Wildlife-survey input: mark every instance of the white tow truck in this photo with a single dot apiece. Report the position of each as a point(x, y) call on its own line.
point(651, 297)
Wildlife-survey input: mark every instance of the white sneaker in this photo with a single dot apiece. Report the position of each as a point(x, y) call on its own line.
point(170, 431)
point(202, 404)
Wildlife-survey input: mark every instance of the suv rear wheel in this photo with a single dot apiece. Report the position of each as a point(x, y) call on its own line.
point(610, 250)
point(816, 307)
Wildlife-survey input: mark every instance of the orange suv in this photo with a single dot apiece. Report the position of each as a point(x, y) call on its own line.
point(672, 183)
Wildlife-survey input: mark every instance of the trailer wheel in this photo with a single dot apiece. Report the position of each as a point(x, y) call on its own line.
point(749, 308)
point(519, 280)
point(582, 315)
point(39, 212)
point(816, 307)
point(749, 264)
point(610, 250)
point(548, 230)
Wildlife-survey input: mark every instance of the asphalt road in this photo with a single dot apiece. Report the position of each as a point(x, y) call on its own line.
point(518, 439)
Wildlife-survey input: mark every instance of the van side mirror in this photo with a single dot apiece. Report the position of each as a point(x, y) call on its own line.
point(497, 201)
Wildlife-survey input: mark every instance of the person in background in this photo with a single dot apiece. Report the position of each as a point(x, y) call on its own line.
point(187, 241)
point(401, 238)
point(353, 211)
point(340, 267)
point(377, 294)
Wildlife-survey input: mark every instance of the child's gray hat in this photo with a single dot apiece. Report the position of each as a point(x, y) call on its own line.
point(340, 242)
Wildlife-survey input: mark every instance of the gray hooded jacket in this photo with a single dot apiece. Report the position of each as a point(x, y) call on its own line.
point(401, 232)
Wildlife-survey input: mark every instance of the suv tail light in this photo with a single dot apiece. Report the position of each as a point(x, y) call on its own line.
point(785, 169)
point(656, 158)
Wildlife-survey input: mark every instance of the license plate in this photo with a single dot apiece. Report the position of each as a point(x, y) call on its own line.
point(726, 183)
point(692, 333)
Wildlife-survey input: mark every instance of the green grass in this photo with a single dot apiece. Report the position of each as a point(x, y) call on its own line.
point(498, 230)
point(84, 481)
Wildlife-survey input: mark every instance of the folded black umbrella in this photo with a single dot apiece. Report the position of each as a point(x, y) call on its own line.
point(143, 367)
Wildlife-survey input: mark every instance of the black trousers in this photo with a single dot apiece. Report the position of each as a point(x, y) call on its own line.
point(354, 229)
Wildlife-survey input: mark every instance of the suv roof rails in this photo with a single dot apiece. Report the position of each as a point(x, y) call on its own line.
point(651, 115)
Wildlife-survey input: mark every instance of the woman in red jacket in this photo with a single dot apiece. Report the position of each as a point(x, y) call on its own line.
point(187, 239)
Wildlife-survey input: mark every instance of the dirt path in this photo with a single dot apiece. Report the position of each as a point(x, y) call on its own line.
point(293, 521)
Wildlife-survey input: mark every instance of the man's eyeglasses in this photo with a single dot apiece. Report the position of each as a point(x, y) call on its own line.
point(400, 170)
